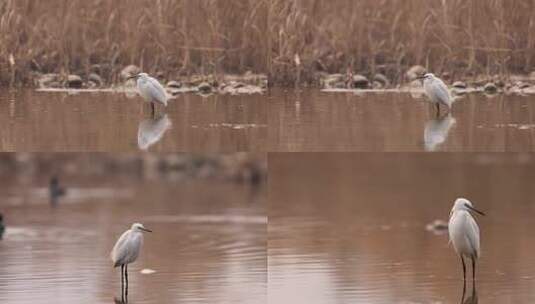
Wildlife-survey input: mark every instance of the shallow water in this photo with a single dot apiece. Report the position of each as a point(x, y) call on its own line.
point(280, 120)
point(351, 228)
point(104, 121)
point(344, 121)
point(208, 244)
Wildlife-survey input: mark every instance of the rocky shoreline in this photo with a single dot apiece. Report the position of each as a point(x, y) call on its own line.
point(248, 83)
point(252, 83)
point(496, 84)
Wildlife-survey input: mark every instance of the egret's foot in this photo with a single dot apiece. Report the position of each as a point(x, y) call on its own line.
point(118, 301)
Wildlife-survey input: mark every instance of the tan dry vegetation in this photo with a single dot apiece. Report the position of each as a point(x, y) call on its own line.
point(180, 37)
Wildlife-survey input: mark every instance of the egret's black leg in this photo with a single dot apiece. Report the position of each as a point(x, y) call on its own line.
point(126, 278)
point(464, 292)
point(438, 109)
point(464, 270)
point(122, 283)
point(473, 269)
point(152, 108)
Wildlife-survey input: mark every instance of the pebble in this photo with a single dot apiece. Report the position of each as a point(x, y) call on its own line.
point(459, 85)
point(204, 88)
point(490, 87)
point(174, 84)
point(74, 81)
point(360, 81)
point(382, 79)
point(415, 71)
point(129, 70)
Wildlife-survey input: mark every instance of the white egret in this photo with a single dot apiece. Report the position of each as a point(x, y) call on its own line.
point(150, 89)
point(464, 233)
point(126, 251)
point(437, 91)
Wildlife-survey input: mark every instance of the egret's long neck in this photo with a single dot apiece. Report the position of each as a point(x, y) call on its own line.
point(456, 212)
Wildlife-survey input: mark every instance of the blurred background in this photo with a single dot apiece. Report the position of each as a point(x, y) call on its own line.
point(372, 227)
point(170, 37)
point(63, 212)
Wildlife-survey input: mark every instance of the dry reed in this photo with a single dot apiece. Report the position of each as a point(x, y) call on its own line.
point(180, 37)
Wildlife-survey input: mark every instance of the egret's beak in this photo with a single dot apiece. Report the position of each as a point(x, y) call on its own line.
point(475, 210)
point(420, 77)
point(132, 77)
point(145, 229)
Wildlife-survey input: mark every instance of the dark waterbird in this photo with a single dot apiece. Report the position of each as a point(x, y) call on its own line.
point(55, 190)
point(2, 227)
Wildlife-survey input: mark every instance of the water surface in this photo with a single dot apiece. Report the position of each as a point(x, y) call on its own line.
point(280, 120)
point(311, 120)
point(208, 244)
point(104, 121)
point(352, 228)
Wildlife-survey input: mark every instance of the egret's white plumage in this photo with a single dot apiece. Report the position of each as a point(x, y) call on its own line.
point(126, 250)
point(150, 89)
point(464, 232)
point(437, 91)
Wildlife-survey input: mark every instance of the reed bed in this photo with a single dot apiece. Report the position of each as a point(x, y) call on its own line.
point(183, 37)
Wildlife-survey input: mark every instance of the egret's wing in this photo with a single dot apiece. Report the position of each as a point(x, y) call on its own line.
point(473, 234)
point(156, 90)
point(120, 250)
point(441, 92)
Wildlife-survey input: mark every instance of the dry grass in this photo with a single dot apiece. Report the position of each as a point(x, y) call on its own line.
point(214, 36)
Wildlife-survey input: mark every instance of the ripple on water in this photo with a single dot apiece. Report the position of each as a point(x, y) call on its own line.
point(210, 219)
point(47, 234)
point(40, 195)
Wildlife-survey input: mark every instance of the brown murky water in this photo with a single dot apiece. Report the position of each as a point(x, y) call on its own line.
point(281, 120)
point(351, 228)
point(318, 121)
point(208, 244)
point(52, 121)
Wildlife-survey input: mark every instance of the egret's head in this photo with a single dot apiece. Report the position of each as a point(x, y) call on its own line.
point(464, 204)
point(426, 76)
point(139, 227)
point(139, 75)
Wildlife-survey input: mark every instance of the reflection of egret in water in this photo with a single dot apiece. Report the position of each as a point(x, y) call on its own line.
point(151, 130)
point(436, 131)
point(472, 299)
